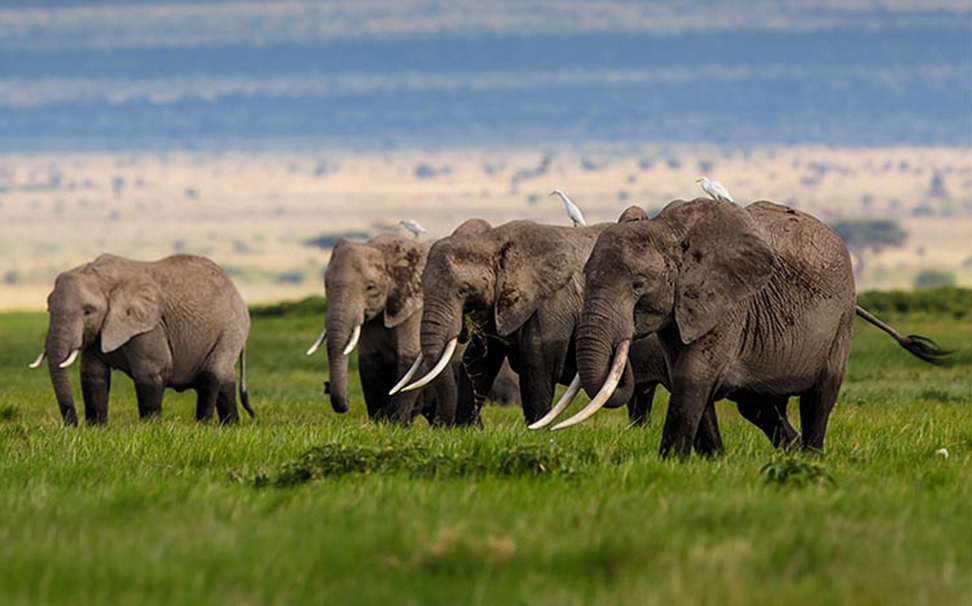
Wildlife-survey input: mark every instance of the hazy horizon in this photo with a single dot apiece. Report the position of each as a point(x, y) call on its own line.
point(241, 129)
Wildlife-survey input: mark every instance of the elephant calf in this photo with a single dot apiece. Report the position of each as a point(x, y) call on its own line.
point(178, 322)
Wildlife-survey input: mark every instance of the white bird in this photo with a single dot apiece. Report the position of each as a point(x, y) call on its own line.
point(413, 226)
point(572, 211)
point(715, 189)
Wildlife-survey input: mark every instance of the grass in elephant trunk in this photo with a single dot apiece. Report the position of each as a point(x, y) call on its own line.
point(167, 511)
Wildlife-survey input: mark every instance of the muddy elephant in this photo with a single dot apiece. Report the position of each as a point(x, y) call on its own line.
point(178, 322)
point(753, 304)
point(510, 292)
point(374, 304)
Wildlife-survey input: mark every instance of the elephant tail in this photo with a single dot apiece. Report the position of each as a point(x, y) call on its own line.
point(244, 398)
point(920, 347)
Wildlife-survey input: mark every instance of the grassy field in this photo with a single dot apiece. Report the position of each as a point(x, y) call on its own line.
point(303, 506)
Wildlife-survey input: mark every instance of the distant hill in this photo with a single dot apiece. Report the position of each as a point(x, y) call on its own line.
point(122, 73)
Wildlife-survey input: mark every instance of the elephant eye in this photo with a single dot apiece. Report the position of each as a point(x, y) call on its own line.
point(88, 311)
point(638, 284)
point(371, 287)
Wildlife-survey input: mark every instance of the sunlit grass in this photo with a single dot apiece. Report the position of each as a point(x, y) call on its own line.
point(173, 512)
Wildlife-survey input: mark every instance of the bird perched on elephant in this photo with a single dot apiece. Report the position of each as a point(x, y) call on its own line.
point(755, 304)
point(178, 322)
point(511, 292)
point(374, 303)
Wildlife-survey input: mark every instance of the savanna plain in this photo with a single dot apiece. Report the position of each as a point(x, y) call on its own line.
point(301, 505)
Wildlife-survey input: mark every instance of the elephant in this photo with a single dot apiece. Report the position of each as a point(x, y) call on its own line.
point(510, 292)
point(177, 322)
point(374, 300)
point(753, 304)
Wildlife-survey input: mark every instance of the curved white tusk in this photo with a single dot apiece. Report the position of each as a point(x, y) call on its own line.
point(354, 340)
point(607, 390)
point(317, 343)
point(561, 404)
point(70, 359)
point(408, 376)
point(440, 365)
point(40, 358)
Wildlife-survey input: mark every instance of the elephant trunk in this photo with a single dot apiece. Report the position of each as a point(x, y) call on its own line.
point(59, 349)
point(339, 333)
point(602, 328)
point(441, 325)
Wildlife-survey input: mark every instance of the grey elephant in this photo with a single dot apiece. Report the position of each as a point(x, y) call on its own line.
point(178, 322)
point(511, 292)
point(755, 304)
point(374, 303)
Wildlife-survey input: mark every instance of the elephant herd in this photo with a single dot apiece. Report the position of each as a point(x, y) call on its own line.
point(710, 299)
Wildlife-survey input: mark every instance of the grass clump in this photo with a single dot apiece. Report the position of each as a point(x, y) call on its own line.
point(336, 460)
point(788, 470)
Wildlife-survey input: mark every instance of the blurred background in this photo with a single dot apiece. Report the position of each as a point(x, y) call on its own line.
point(258, 133)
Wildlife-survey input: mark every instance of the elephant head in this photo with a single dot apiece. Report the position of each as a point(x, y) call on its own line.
point(685, 269)
point(364, 281)
point(496, 276)
point(100, 306)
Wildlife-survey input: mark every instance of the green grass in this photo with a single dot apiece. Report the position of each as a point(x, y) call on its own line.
point(306, 506)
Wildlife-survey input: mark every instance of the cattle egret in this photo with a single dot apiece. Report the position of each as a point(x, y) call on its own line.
point(413, 226)
point(572, 211)
point(715, 189)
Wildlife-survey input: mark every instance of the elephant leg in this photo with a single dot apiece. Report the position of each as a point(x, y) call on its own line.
point(539, 375)
point(226, 402)
point(537, 387)
point(375, 383)
point(424, 407)
point(475, 378)
point(708, 440)
point(640, 407)
point(815, 408)
point(404, 406)
point(690, 398)
point(207, 390)
point(148, 392)
point(769, 414)
point(95, 385)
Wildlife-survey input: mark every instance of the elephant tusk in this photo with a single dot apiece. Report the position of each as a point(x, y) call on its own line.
point(354, 340)
point(561, 404)
point(317, 343)
point(70, 359)
point(40, 358)
point(440, 365)
point(408, 376)
point(607, 390)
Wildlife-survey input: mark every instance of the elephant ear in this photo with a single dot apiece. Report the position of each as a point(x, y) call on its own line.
point(532, 267)
point(405, 261)
point(134, 307)
point(724, 260)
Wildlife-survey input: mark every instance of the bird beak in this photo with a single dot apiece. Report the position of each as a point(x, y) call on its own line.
point(553, 193)
point(699, 180)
